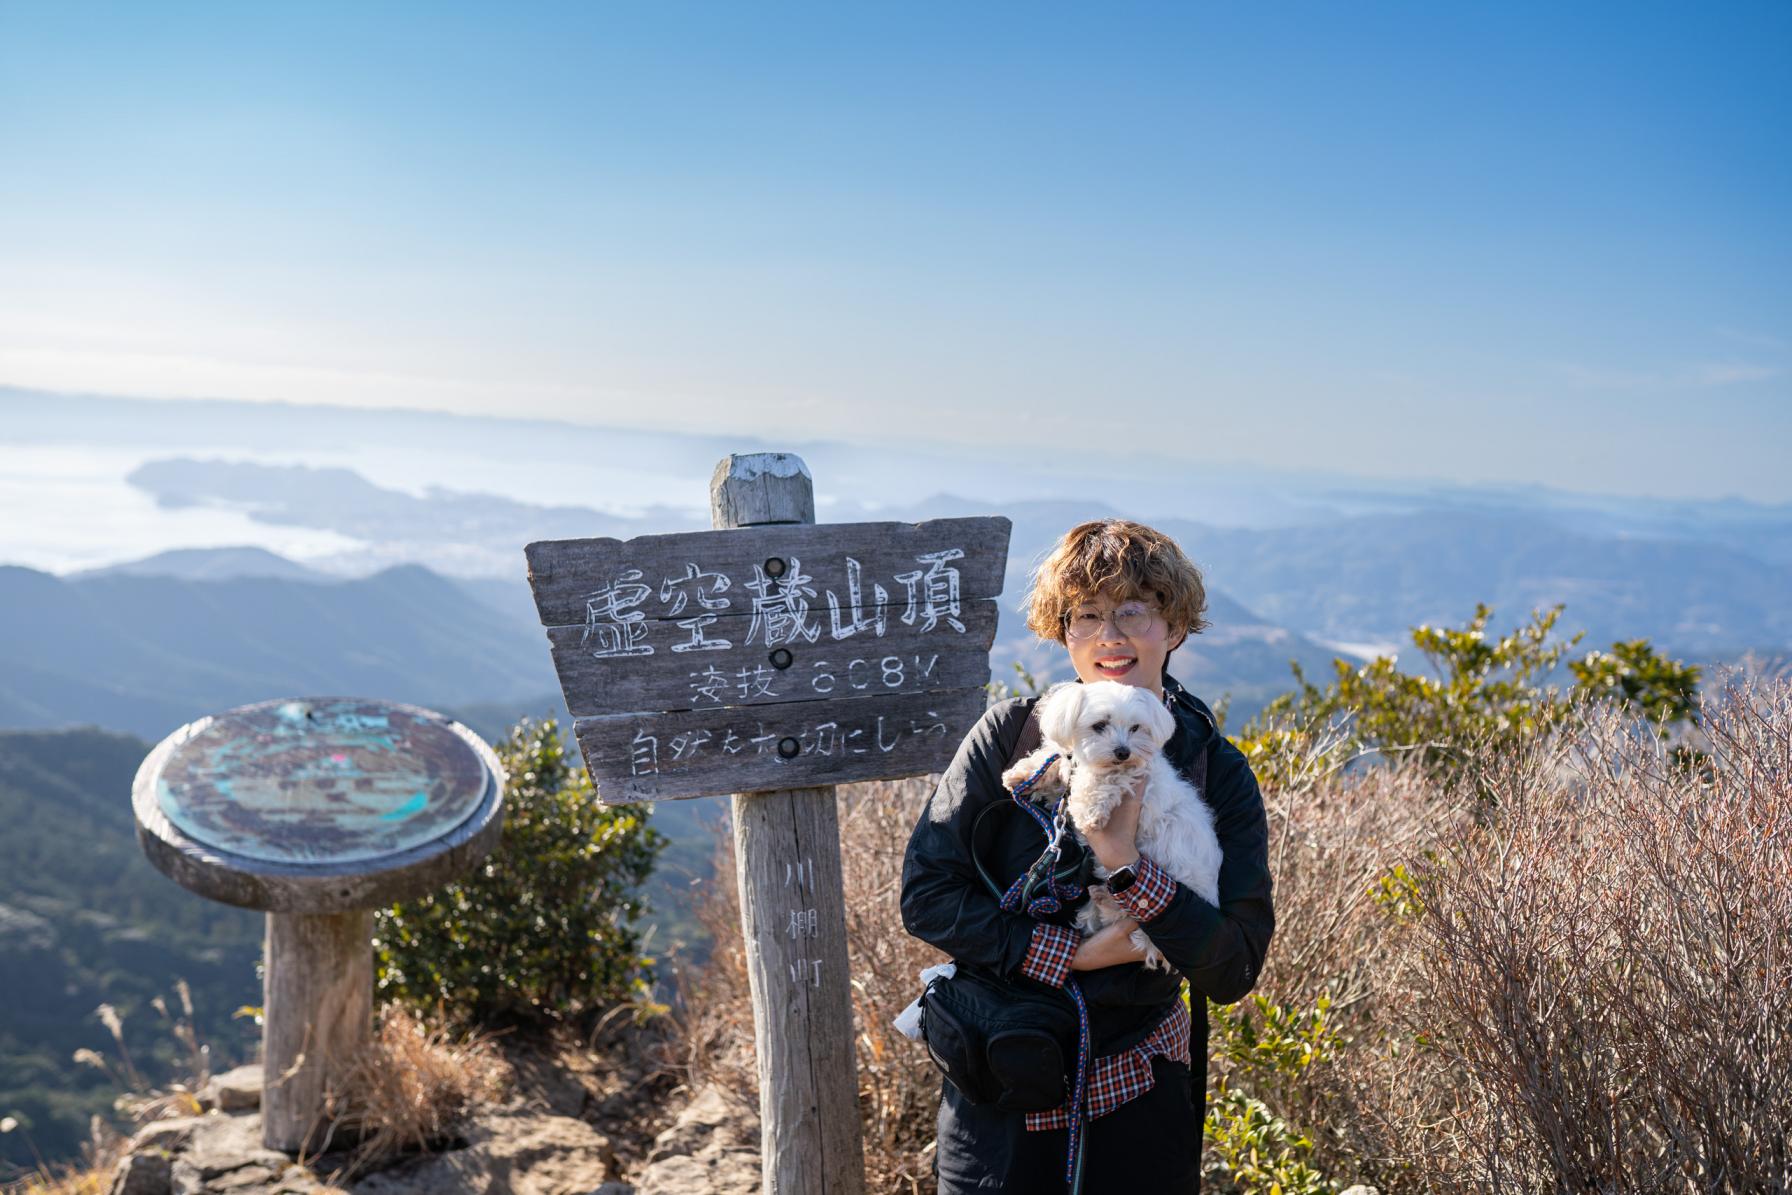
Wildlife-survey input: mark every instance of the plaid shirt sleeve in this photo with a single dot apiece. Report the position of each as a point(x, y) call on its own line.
point(1150, 892)
point(1048, 957)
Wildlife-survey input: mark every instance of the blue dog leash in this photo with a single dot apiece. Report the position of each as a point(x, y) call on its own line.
point(1051, 893)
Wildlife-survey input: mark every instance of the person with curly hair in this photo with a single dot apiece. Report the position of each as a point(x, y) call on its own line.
point(1120, 597)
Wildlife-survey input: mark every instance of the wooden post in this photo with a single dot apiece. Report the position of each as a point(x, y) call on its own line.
point(317, 1012)
point(793, 916)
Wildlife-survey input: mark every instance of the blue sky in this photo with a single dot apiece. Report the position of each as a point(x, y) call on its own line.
point(1518, 242)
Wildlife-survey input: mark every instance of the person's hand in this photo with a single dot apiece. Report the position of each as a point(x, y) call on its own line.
point(1108, 946)
point(1116, 844)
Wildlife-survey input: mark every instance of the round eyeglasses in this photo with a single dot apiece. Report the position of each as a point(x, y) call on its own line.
point(1132, 619)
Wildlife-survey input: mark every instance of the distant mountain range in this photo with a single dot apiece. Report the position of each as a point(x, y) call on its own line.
point(85, 919)
point(144, 653)
point(1701, 579)
point(451, 531)
point(146, 645)
point(1372, 577)
point(1334, 560)
point(1353, 584)
point(210, 564)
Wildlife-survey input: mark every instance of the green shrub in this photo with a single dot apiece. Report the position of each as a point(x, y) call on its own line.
point(1264, 1048)
point(1255, 1151)
point(546, 926)
point(1397, 893)
point(1476, 694)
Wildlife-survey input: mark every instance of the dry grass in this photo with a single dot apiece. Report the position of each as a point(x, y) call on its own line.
point(91, 1174)
point(713, 1009)
point(141, 1103)
point(411, 1090)
point(416, 1085)
point(898, 1087)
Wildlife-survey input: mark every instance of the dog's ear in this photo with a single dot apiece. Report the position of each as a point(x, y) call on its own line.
point(1059, 711)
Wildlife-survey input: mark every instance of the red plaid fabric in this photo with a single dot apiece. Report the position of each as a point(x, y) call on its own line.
point(1113, 1078)
point(1116, 1078)
point(1149, 893)
point(1049, 954)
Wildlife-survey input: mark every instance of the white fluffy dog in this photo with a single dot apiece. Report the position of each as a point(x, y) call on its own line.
point(1105, 734)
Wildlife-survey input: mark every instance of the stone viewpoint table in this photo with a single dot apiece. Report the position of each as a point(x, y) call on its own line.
point(317, 810)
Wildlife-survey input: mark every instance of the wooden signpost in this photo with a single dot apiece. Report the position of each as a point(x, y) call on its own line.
point(773, 658)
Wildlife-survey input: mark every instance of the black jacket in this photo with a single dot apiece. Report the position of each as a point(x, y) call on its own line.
point(1220, 950)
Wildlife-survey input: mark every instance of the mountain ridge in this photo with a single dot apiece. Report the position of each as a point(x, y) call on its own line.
point(147, 653)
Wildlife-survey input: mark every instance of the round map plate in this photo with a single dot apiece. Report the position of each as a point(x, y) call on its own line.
point(318, 804)
point(323, 781)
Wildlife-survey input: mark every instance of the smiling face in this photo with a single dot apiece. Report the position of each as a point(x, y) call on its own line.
point(1134, 655)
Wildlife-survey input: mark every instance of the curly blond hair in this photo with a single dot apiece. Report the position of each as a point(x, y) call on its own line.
point(1121, 560)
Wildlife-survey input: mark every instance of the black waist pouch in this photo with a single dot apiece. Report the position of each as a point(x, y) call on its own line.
point(1011, 1045)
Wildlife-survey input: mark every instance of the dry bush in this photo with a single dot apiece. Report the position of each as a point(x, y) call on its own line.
point(1338, 841)
point(898, 1087)
point(1568, 969)
point(411, 1089)
point(1611, 957)
point(713, 1009)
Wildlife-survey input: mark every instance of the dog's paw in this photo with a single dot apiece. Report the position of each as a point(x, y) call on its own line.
point(1088, 816)
point(1092, 806)
point(1022, 770)
point(1154, 958)
point(1089, 918)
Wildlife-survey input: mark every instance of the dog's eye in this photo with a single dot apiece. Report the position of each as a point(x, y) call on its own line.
point(1099, 727)
point(1135, 729)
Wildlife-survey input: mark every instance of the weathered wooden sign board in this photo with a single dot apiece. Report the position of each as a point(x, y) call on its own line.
point(771, 657)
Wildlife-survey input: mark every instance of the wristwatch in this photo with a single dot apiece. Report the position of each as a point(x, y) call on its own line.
point(1121, 878)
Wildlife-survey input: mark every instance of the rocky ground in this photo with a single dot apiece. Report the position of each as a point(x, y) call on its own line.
point(542, 1141)
point(572, 1122)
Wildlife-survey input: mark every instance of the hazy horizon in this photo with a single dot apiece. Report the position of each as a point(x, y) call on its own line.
point(66, 501)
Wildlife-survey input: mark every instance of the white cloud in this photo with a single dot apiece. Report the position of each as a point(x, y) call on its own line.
point(1759, 340)
point(1703, 374)
point(1725, 373)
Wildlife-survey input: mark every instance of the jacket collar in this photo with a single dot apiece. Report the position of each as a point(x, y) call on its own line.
point(1191, 713)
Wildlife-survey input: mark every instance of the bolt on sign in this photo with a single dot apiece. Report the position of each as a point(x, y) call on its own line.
point(771, 657)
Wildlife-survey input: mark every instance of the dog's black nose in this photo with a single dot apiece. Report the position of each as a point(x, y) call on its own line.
point(1122, 752)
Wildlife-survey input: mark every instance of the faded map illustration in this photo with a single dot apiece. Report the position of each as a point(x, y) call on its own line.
point(331, 781)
